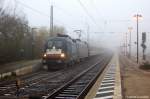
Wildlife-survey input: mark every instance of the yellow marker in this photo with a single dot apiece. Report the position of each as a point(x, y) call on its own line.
point(18, 82)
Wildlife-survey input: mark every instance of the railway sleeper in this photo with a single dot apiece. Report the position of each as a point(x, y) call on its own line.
point(82, 82)
point(76, 90)
point(70, 88)
point(61, 97)
point(68, 95)
point(76, 93)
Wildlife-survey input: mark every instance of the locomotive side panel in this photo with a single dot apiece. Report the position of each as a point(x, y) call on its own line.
point(82, 50)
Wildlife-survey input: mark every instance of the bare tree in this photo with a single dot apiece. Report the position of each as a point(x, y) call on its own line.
point(16, 36)
point(12, 30)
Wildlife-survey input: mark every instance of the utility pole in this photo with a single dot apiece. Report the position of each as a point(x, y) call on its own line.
point(126, 45)
point(88, 35)
point(88, 39)
point(137, 16)
point(51, 20)
point(32, 43)
point(137, 38)
point(130, 29)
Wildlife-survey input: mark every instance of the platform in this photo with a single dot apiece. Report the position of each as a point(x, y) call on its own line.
point(108, 85)
point(19, 68)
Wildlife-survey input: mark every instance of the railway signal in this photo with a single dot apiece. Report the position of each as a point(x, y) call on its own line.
point(143, 44)
point(144, 37)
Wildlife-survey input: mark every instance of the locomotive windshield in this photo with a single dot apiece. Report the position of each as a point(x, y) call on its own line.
point(56, 43)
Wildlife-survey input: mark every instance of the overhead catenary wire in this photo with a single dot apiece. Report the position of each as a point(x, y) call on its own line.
point(67, 14)
point(60, 9)
point(86, 11)
point(35, 10)
point(45, 15)
point(107, 20)
point(70, 15)
point(63, 10)
point(39, 12)
point(97, 10)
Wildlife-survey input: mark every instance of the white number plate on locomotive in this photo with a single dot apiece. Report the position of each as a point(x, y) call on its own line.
point(53, 51)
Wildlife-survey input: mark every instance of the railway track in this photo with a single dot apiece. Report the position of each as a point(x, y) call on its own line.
point(43, 84)
point(27, 82)
point(78, 87)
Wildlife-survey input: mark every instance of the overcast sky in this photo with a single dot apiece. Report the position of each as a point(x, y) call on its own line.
point(102, 16)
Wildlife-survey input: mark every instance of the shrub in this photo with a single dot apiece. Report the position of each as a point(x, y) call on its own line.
point(145, 66)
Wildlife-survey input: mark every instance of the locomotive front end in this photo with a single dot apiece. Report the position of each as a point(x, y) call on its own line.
point(55, 52)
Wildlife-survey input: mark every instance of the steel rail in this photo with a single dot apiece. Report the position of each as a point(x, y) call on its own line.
point(64, 93)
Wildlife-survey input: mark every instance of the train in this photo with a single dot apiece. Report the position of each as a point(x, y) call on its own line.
point(62, 50)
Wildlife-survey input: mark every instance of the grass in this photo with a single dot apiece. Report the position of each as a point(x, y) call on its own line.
point(145, 66)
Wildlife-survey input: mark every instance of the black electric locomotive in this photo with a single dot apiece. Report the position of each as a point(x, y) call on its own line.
point(61, 51)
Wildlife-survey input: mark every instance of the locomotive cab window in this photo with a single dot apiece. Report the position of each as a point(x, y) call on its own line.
point(50, 44)
point(56, 43)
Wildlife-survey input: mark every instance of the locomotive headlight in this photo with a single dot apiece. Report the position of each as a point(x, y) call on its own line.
point(62, 55)
point(44, 55)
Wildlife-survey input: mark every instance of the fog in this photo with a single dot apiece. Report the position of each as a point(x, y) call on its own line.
point(108, 20)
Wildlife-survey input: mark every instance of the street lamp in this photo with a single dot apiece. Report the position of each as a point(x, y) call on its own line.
point(130, 29)
point(137, 16)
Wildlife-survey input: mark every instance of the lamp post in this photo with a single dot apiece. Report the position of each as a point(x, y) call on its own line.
point(130, 29)
point(137, 16)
